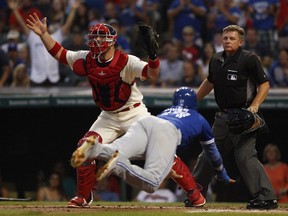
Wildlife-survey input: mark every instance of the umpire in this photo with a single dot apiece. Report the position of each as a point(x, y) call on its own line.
point(238, 80)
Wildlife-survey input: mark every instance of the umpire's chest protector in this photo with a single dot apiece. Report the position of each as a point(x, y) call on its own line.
point(109, 91)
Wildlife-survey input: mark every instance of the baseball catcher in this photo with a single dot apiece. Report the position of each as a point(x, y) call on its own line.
point(241, 121)
point(148, 39)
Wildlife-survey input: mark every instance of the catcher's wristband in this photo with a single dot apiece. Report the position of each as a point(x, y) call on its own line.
point(55, 49)
point(153, 63)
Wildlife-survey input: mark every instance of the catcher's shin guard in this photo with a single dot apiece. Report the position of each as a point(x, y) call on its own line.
point(86, 180)
point(182, 176)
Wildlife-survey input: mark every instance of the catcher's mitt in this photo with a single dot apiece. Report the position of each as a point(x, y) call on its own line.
point(242, 121)
point(148, 39)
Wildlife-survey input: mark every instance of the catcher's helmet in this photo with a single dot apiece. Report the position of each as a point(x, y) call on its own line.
point(241, 121)
point(185, 97)
point(100, 37)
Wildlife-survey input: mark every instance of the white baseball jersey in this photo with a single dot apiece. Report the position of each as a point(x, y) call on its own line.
point(112, 124)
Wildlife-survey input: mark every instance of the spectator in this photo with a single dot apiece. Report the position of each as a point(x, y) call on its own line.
point(282, 24)
point(14, 60)
point(224, 13)
point(203, 62)
point(153, 13)
point(53, 191)
point(253, 43)
point(190, 76)
point(13, 37)
point(94, 17)
point(24, 10)
point(20, 76)
point(217, 42)
point(44, 68)
point(111, 12)
point(122, 40)
point(81, 19)
point(279, 70)
point(262, 13)
point(190, 50)
point(75, 41)
point(277, 171)
point(43, 6)
point(186, 13)
point(161, 195)
point(5, 69)
point(13, 55)
point(104, 193)
point(69, 184)
point(96, 4)
point(56, 15)
point(244, 19)
point(171, 68)
point(23, 53)
point(3, 26)
point(130, 15)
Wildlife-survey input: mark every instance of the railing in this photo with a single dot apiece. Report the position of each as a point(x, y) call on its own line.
point(81, 96)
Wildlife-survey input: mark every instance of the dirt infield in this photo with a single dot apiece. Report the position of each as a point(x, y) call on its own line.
point(48, 208)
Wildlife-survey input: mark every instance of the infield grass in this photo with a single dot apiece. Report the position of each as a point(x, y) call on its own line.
point(132, 209)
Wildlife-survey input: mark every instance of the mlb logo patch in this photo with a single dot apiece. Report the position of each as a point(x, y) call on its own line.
point(232, 77)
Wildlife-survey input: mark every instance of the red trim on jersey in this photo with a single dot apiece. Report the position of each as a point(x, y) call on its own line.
point(62, 58)
point(145, 71)
point(55, 49)
point(154, 63)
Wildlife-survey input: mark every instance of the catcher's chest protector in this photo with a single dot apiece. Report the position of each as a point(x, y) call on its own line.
point(109, 91)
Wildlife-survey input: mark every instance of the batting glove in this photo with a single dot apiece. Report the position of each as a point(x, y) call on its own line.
point(223, 176)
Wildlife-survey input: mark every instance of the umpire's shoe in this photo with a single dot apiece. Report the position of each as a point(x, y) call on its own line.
point(108, 168)
point(262, 204)
point(83, 152)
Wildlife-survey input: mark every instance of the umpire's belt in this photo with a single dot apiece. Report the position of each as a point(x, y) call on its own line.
point(130, 107)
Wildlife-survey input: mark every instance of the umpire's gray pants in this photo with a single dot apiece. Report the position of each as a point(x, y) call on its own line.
point(245, 154)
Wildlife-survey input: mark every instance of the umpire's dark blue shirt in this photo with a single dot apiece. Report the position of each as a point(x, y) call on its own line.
point(235, 79)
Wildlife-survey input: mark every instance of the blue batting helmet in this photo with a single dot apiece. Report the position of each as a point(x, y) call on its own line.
point(185, 97)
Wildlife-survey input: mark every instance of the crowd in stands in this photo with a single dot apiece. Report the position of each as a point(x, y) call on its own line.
point(190, 32)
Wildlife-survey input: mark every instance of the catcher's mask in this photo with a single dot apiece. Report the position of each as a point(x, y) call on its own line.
point(100, 38)
point(242, 121)
point(185, 97)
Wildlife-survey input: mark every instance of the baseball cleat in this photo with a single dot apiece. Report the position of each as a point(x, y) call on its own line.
point(79, 202)
point(195, 199)
point(81, 153)
point(108, 168)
